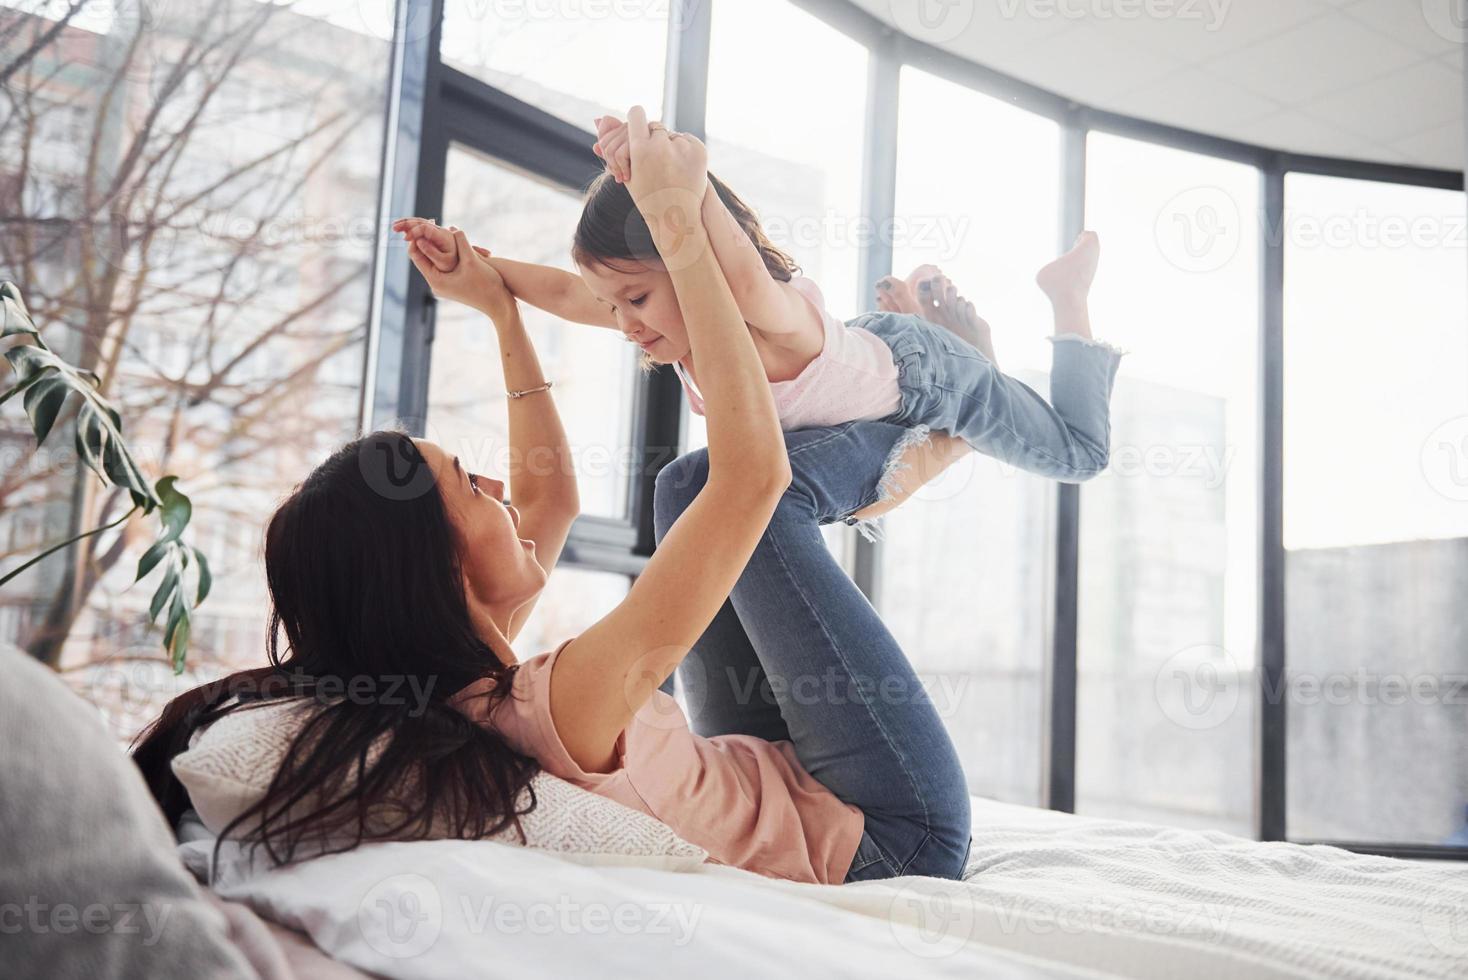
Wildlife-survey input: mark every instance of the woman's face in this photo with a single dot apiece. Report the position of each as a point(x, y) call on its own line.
point(645, 307)
point(500, 569)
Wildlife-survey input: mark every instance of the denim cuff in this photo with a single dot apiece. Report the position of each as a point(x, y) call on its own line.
point(1087, 342)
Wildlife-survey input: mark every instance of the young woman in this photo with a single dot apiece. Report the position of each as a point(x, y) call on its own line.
point(393, 560)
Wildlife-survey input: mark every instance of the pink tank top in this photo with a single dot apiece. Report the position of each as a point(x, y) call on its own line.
point(852, 379)
point(748, 802)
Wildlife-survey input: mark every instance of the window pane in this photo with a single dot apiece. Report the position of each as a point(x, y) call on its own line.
point(801, 170)
point(593, 369)
point(221, 297)
point(965, 563)
point(574, 598)
point(1168, 550)
point(574, 60)
point(1376, 527)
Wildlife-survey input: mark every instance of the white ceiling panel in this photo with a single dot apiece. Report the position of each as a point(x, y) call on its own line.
point(1373, 80)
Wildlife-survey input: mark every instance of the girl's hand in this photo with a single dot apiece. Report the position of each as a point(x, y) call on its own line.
point(668, 179)
point(435, 243)
point(613, 145)
point(456, 270)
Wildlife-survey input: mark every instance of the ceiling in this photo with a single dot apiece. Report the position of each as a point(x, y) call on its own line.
point(1377, 80)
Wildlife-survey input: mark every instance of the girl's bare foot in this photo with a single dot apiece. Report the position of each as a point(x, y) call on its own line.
point(940, 303)
point(1067, 282)
point(1069, 277)
point(896, 296)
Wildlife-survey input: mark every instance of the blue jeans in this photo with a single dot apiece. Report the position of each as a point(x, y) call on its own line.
point(798, 653)
point(948, 385)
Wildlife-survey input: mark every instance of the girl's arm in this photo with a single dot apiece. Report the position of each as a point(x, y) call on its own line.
point(542, 473)
point(556, 291)
point(606, 674)
point(768, 305)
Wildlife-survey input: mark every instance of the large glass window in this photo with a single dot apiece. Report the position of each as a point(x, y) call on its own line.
point(964, 564)
point(594, 370)
point(576, 59)
point(1375, 523)
point(801, 171)
point(1168, 549)
point(190, 208)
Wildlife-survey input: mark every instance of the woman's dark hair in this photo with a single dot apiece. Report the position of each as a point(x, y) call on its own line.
point(364, 573)
point(612, 230)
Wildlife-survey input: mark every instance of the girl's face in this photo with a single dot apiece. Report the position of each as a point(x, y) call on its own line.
point(644, 305)
point(500, 569)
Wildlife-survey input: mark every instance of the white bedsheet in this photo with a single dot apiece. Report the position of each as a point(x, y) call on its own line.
point(1048, 895)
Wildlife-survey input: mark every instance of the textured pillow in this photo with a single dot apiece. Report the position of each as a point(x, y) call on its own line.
point(230, 764)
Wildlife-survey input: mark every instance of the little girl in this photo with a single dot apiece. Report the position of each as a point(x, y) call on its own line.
point(887, 366)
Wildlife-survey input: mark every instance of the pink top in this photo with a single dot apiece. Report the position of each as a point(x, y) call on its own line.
point(746, 801)
point(853, 378)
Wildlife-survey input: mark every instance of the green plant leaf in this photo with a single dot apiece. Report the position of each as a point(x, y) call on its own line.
point(178, 614)
point(166, 588)
point(43, 403)
point(17, 319)
point(99, 440)
point(206, 578)
point(177, 508)
point(48, 381)
point(150, 559)
point(179, 648)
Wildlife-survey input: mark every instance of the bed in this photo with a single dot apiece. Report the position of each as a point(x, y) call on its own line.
point(1045, 895)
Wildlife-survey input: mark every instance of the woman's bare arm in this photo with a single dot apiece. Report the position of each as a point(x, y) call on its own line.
point(608, 672)
point(542, 474)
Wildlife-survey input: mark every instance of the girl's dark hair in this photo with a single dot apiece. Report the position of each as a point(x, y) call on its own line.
point(612, 230)
point(364, 573)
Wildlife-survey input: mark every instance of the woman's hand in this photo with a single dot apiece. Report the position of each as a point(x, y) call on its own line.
point(456, 270)
point(668, 179)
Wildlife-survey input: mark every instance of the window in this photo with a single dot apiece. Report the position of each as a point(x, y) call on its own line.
point(574, 598)
point(576, 59)
point(192, 312)
point(964, 563)
point(1168, 548)
point(1375, 528)
point(799, 169)
point(593, 369)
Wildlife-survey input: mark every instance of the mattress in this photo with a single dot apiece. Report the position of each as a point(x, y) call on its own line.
point(1044, 895)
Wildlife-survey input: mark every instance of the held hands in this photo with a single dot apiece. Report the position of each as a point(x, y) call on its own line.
point(454, 269)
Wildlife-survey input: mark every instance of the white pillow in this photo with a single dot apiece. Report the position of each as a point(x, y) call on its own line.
point(231, 763)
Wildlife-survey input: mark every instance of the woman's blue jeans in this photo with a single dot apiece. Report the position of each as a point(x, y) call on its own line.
point(798, 653)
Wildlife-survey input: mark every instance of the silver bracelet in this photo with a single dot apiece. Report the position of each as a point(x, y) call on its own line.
point(530, 391)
